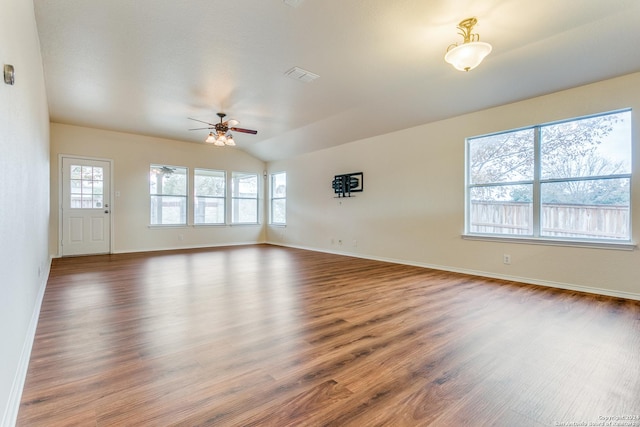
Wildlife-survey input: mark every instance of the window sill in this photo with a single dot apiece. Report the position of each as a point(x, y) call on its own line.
point(623, 246)
point(168, 226)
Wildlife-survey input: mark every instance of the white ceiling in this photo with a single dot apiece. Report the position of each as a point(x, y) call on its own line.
point(145, 66)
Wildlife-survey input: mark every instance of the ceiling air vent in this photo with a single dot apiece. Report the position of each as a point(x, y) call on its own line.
point(297, 73)
point(293, 3)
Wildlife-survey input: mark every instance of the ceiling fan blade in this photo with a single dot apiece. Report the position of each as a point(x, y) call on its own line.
point(201, 128)
point(201, 121)
point(252, 132)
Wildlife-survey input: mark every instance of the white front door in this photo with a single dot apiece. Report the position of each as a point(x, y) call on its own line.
point(85, 222)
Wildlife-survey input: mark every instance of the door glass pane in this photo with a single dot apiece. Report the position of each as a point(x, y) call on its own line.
point(97, 202)
point(87, 187)
point(87, 201)
point(87, 173)
point(97, 187)
point(76, 186)
point(76, 172)
point(97, 174)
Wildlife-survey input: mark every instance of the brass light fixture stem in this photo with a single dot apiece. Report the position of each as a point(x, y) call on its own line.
point(465, 28)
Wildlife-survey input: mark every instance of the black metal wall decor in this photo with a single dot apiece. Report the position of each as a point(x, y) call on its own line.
point(345, 184)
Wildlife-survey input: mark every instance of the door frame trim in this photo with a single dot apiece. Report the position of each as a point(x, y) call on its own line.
point(61, 201)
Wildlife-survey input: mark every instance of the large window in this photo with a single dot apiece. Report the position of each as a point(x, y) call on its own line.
point(168, 191)
point(568, 180)
point(279, 198)
point(244, 198)
point(209, 196)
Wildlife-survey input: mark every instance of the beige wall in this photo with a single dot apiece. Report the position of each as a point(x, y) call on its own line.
point(131, 156)
point(24, 198)
point(412, 207)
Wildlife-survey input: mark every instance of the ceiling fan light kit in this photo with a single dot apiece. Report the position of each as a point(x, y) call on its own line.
point(221, 135)
point(471, 52)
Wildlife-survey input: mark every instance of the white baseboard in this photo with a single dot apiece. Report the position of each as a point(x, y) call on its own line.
point(527, 280)
point(13, 406)
point(178, 248)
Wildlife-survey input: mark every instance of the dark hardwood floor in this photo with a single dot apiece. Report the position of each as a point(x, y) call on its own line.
point(271, 336)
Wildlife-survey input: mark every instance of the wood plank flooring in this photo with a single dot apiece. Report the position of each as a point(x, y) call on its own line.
point(270, 336)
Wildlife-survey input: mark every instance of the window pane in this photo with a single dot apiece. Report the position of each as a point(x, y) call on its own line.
point(594, 146)
point(97, 202)
point(168, 210)
point(279, 211)
point(87, 187)
point(97, 187)
point(279, 185)
point(209, 210)
point(168, 180)
point(76, 172)
point(76, 202)
point(506, 209)
point(245, 211)
point(87, 201)
point(505, 157)
point(278, 190)
point(244, 185)
point(244, 207)
point(593, 209)
point(209, 183)
point(76, 186)
point(87, 173)
point(97, 174)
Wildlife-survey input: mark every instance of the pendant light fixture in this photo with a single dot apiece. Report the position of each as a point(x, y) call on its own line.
point(471, 52)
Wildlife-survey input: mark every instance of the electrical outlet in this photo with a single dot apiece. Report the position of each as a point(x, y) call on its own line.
point(355, 243)
point(506, 259)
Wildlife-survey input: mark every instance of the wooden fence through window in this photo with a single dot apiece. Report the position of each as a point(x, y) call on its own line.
point(557, 220)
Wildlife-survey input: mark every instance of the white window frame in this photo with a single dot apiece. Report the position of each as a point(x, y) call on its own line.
point(536, 237)
point(274, 198)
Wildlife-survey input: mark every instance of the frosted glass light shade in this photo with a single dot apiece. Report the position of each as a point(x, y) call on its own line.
point(468, 56)
point(211, 138)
